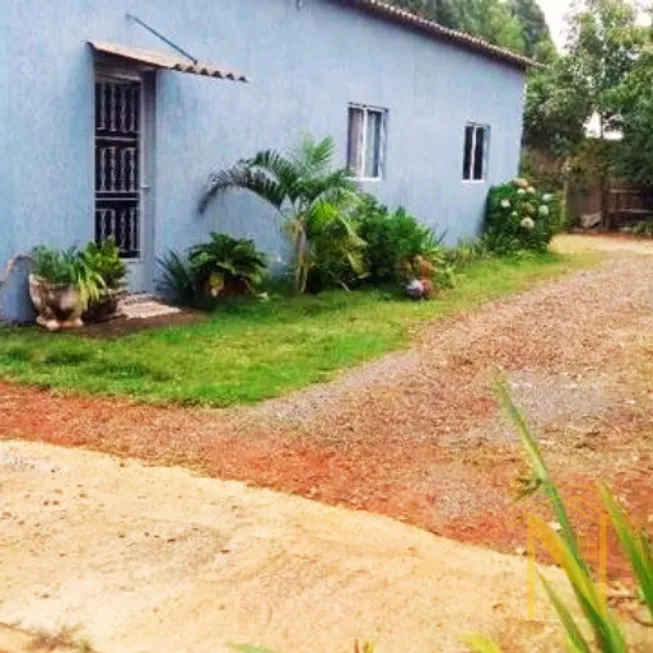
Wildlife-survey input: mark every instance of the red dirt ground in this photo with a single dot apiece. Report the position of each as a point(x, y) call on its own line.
point(418, 435)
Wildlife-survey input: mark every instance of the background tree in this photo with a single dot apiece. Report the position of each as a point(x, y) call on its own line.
point(632, 104)
point(534, 29)
point(604, 42)
point(519, 25)
point(487, 19)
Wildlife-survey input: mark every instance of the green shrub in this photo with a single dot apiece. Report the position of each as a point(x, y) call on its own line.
point(177, 279)
point(337, 257)
point(104, 259)
point(520, 216)
point(219, 268)
point(393, 240)
point(226, 266)
point(466, 252)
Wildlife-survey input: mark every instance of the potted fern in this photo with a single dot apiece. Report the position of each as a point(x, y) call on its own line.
point(61, 286)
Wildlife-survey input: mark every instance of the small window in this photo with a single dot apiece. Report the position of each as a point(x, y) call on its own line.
point(366, 141)
point(476, 152)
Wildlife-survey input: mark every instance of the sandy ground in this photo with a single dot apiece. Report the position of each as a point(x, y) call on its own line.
point(134, 559)
point(570, 243)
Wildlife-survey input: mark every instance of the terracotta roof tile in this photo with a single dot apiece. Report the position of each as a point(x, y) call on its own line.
point(430, 27)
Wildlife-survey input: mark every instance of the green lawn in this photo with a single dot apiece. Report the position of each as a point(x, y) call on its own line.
point(254, 350)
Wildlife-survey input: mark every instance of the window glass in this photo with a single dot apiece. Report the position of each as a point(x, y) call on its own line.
point(366, 142)
point(475, 155)
point(373, 145)
point(467, 160)
point(354, 149)
point(479, 154)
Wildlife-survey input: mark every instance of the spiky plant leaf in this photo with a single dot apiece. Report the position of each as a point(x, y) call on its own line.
point(481, 644)
point(577, 643)
point(635, 545)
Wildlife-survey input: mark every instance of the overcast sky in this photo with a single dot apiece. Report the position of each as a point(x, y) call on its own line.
point(555, 11)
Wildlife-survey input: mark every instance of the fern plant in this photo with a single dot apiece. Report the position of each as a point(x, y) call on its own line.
point(226, 265)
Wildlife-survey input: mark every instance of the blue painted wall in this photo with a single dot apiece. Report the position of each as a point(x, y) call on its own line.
point(306, 66)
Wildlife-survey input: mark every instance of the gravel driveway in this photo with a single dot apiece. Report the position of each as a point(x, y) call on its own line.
point(417, 435)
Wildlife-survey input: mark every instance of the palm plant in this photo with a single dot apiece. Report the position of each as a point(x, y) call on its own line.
point(306, 192)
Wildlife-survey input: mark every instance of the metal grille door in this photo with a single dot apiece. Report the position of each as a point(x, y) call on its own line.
point(118, 163)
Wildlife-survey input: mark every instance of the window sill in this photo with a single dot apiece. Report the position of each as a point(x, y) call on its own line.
point(367, 180)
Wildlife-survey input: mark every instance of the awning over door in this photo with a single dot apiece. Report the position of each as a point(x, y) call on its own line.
point(166, 61)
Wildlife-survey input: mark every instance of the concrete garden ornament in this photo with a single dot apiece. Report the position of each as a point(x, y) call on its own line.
point(420, 274)
point(67, 286)
point(58, 305)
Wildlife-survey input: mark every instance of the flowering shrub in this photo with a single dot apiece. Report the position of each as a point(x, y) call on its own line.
point(519, 216)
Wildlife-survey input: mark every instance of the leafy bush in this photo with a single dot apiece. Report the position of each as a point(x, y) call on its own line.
point(465, 253)
point(394, 240)
point(222, 267)
point(104, 259)
point(337, 257)
point(68, 267)
point(521, 217)
point(177, 279)
point(226, 266)
point(608, 634)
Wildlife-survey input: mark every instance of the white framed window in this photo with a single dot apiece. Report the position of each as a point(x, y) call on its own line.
point(477, 146)
point(366, 141)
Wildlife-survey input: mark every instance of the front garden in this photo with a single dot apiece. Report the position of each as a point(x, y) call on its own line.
point(362, 279)
point(251, 350)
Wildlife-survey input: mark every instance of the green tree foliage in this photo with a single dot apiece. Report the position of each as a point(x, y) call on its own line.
point(604, 42)
point(519, 25)
point(534, 29)
point(632, 102)
point(557, 108)
point(445, 12)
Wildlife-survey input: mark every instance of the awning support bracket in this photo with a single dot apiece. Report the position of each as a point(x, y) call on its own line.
point(161, 37)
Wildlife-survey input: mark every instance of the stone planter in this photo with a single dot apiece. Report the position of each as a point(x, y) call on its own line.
point(58, 306)
point(105, 309)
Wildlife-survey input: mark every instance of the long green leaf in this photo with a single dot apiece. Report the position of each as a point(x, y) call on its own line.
point(244, 177)
point(539, 466)
point(635, 546)
point(564, 546)
point(577, 642)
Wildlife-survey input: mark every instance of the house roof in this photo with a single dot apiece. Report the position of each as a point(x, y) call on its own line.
point(435, 30)
point(166, 61)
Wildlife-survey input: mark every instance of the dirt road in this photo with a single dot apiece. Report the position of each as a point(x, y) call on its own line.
point(154, 560)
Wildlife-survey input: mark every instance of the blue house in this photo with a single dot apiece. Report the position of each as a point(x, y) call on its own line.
point(114, 112)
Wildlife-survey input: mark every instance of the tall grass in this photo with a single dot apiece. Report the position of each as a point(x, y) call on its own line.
point(607, 634)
